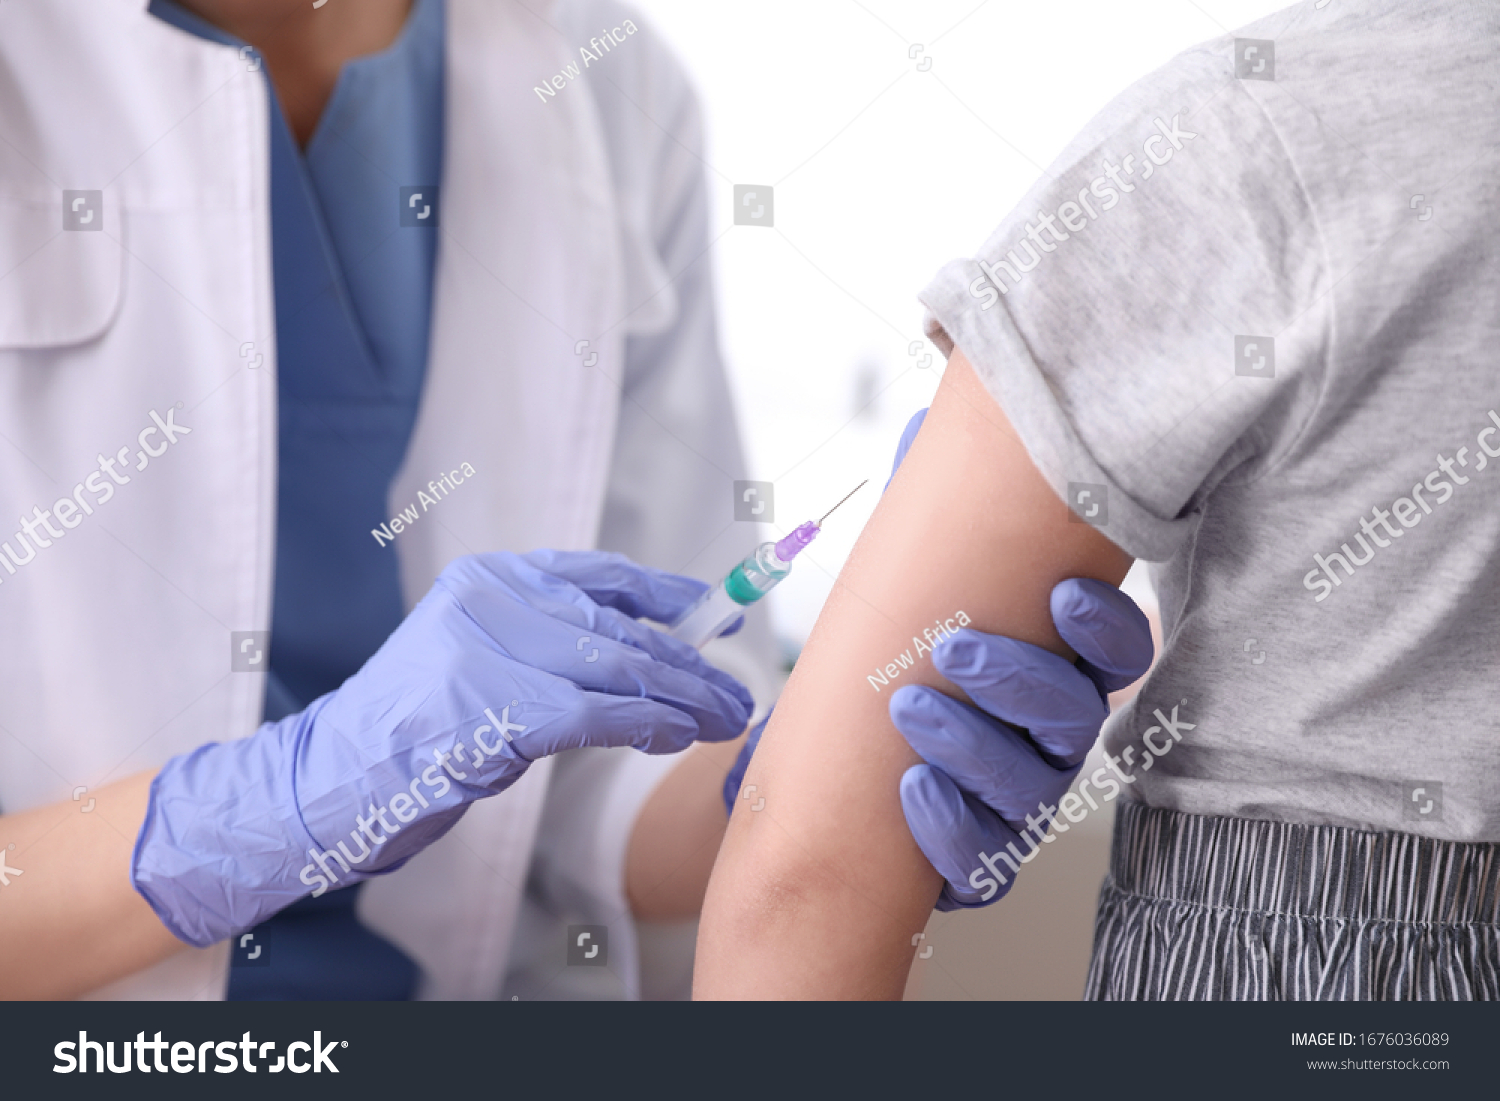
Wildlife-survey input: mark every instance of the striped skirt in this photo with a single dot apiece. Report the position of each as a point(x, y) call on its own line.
point(1199, 908)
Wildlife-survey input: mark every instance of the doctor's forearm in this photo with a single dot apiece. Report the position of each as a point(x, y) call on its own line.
point(677, 835)
point(69, 917)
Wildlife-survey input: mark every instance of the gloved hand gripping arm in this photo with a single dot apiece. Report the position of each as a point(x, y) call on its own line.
point(1033, 719)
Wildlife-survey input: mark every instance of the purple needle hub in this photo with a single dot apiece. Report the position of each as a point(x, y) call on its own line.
point(795, 543)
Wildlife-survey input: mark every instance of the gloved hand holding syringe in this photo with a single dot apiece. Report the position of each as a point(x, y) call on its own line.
point(742, 586)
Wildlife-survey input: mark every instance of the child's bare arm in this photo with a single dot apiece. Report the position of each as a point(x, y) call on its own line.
point(819, 893)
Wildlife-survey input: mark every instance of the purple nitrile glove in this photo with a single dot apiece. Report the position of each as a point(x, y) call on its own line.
point(736, 775)
point(1034, 718)
point(507, 659)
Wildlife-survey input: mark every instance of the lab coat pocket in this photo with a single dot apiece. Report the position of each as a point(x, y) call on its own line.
point(61, 269)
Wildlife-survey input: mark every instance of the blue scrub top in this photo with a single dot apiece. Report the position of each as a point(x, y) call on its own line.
point(353, 296)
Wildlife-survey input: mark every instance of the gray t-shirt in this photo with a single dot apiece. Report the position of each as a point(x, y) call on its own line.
point(1249, 326)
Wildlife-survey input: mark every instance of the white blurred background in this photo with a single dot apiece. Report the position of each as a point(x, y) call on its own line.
point(883, 171)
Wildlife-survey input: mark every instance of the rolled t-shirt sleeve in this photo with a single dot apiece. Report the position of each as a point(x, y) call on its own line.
point(1154, 314)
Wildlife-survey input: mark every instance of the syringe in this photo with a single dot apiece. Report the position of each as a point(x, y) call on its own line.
point(757, 575)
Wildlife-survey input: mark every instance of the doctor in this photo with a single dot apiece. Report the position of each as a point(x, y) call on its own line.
point(306, 311)
point(304, 315)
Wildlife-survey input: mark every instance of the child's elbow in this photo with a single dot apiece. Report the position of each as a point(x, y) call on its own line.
point(784, 922)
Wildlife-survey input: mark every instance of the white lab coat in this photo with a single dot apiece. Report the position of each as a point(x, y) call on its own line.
point(580, 218)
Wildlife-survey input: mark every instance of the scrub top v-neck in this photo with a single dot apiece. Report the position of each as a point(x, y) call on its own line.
point(353, 299)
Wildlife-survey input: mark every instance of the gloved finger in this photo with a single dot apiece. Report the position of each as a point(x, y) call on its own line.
point(953, 831)
point(535, 654)
point(736, 775)
point(545, 622)
point(669, 650)
point(614, 581)
point(908, 436)
point(717, 705)
point(1056, 703)
point(987, 759)
point(1106, 629)
point(601, 719)
point(619, 619)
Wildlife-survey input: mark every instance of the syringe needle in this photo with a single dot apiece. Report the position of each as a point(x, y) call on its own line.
point(819, 521)
point(746, 583)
